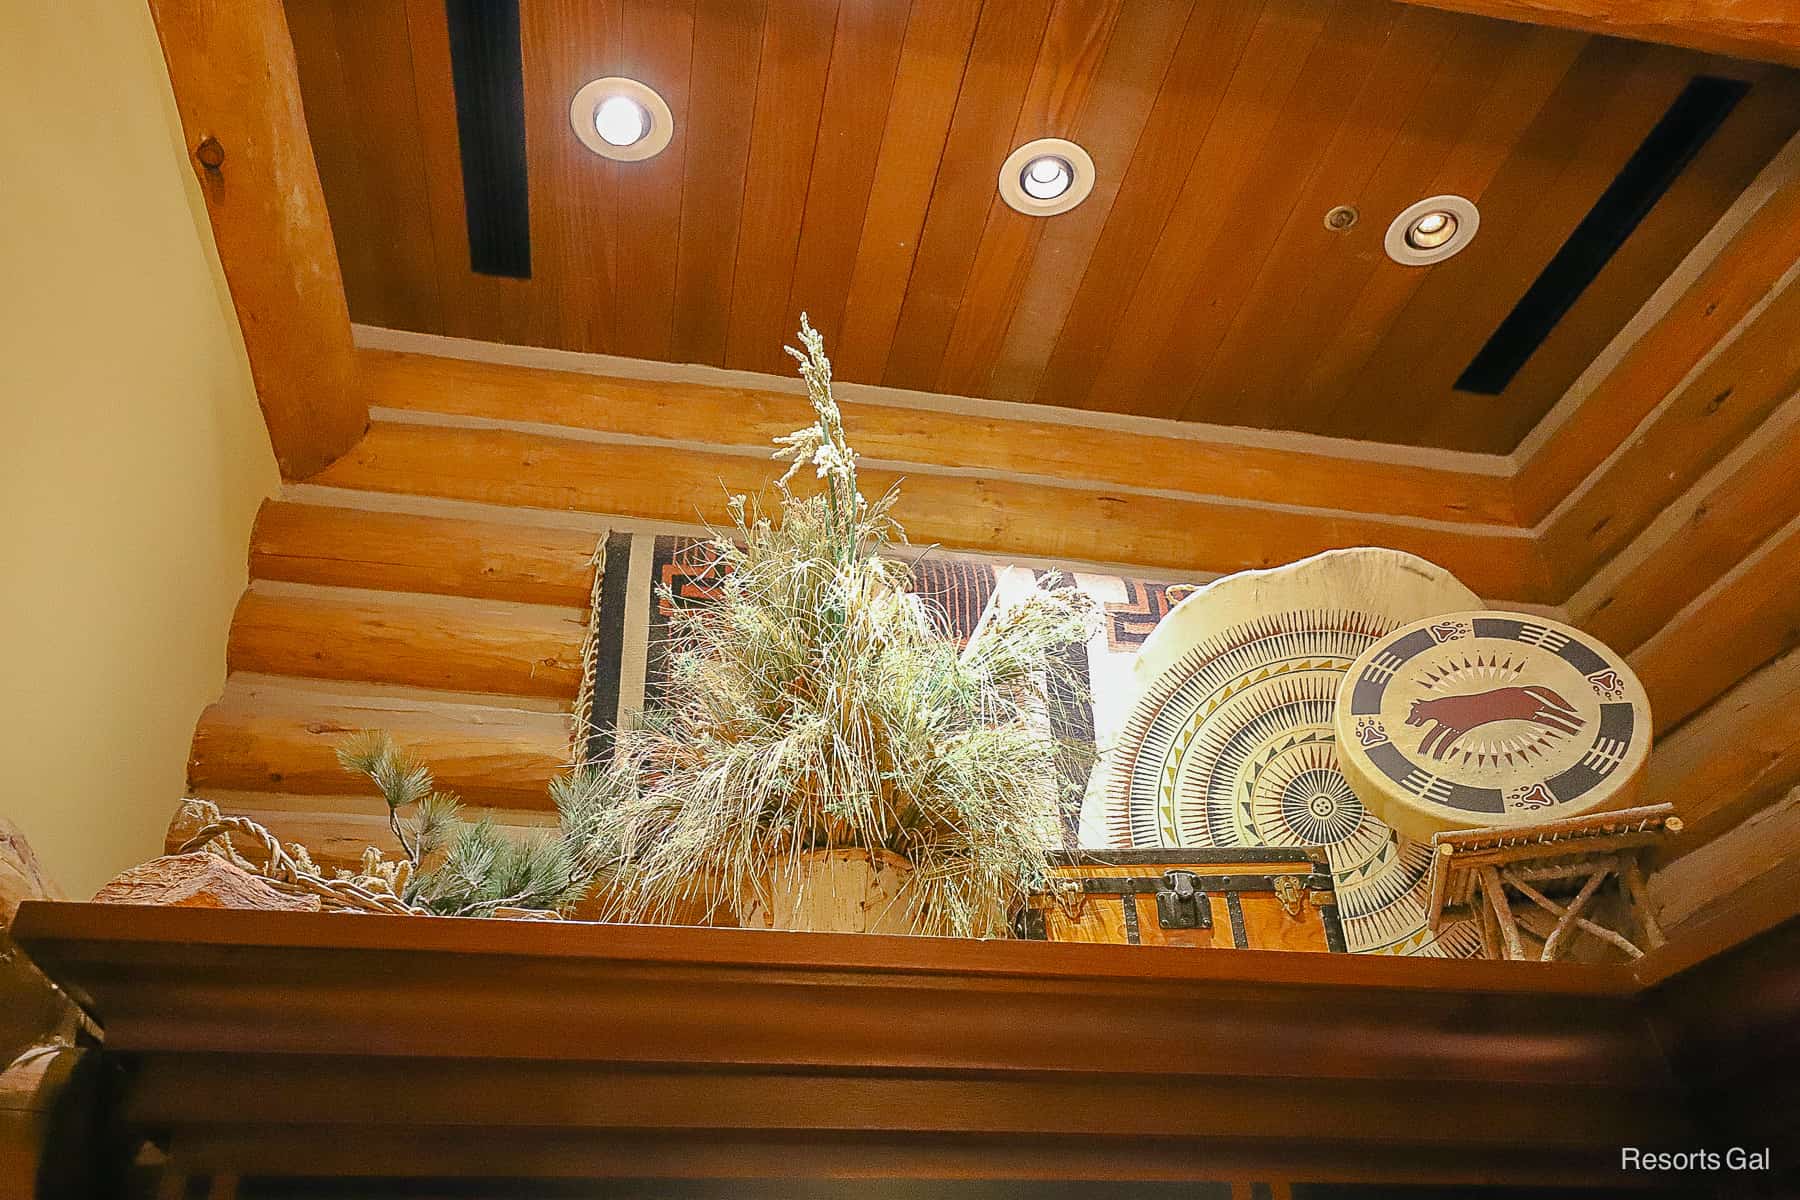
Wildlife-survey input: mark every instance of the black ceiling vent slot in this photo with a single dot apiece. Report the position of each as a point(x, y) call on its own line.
point(1696, 113)
point(489, 79)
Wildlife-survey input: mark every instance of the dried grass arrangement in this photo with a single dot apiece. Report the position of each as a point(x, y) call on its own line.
point(818, 704)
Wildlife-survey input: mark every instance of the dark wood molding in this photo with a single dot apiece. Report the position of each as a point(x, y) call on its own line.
point(397, 1043)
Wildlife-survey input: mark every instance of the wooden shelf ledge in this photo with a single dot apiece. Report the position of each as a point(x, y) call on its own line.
point(247, 1031)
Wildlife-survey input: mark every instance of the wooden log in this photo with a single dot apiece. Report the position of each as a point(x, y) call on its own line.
point(1767, 844)
point(238, 94)
point(1765, 30)
point(261, 736)
point(437, 642)
point(748, 418)
point(387, 551)
point(1732, 759)
point(199, 879)
point(1711, 414)
point(1726, 292)
point(499, 466)
point(1701, 536)
point(1748, 617)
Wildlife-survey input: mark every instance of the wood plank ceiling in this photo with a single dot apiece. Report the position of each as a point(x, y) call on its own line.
point(841, 157)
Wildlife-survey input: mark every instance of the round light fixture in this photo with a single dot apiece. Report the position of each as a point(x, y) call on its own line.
point(1046, 177)
point(1432, 230)
point(621, 119)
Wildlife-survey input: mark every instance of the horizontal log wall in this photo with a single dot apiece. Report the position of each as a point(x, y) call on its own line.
point(461, 637)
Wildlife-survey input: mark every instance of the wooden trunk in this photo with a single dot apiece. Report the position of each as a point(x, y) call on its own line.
point(1200, 896)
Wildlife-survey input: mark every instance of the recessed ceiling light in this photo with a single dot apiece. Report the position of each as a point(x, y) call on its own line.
point(621, 119)
point(1046, 177)
point(1432, 230)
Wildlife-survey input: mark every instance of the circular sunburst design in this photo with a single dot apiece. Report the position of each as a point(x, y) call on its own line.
point(1231, 742)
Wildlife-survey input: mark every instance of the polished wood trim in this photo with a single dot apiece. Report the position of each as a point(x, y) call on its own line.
point(958, 511)
point(238, 95)
point(537, 1031)
point(746, 418)
point(1763, 30)
point(164, 942)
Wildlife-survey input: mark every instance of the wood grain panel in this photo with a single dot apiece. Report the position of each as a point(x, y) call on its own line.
point(1068, 524)
point(1459, 99)
point(933, 61)
point(657, 49)
point(489, 560)
point(262, 737)
point(1761, 123)
point(452, 644)
point(1205, 62)
point(1758, 29)
point(748, 419)
point(1340, 64)
point(1075, 41)
point(1138, 59)
point(1277, 54)
point(1586, 131)
point(1012, 1049)
point(728, 45)
point(842, 160)
point(1363, 301)
point(574, 193)
point(1267, 337)
point(485, 306)
point(1007, 42)
point(363, 116)
point(790, 94)
point(865, 60)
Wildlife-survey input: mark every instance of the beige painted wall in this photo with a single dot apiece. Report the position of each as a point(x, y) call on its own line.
point(132, 453)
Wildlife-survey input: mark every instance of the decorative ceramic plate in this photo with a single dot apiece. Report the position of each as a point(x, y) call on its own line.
point(1230, 741)
point(1479, 719)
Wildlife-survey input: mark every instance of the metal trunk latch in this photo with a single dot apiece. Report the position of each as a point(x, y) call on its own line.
point(1291, 892)
point(1180, 904)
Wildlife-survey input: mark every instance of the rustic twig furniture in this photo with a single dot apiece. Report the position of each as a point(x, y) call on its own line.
point(1559, 867)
